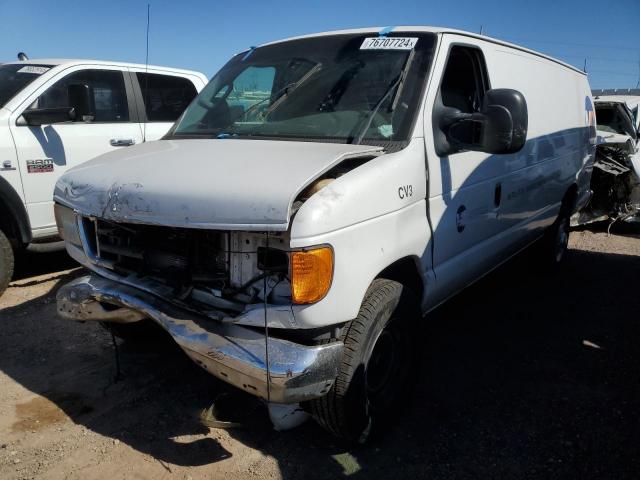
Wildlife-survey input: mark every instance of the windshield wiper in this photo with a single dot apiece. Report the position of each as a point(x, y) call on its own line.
point(280, 96)
point(333, 97)
point(291, 88)
point(397, 82)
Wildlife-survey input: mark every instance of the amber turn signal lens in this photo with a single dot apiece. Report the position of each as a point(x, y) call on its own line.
point(311, 274)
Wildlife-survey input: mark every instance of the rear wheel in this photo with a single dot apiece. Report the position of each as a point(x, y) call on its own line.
point(6, 262)
point(376, 365)
point(556, 240)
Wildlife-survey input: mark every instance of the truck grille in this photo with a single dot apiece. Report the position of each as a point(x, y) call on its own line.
point(177, 256)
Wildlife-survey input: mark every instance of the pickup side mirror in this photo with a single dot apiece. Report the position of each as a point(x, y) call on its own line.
point(81, 108)
point(82, 100)
point(44, 116)
point(499, 127)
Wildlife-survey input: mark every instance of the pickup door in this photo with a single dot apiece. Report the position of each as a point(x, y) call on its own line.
point(162, 98)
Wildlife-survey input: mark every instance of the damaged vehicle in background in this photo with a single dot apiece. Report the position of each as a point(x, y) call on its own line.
point(615, 180)
point(322, 194)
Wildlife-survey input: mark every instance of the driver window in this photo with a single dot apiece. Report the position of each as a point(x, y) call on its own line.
point(108, 90)
point(465, 80)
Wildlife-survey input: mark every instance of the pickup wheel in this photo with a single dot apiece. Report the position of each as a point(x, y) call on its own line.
point(376, 365)
point(6, 262)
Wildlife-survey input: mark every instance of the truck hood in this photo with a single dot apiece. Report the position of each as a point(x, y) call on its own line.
point(205, 183)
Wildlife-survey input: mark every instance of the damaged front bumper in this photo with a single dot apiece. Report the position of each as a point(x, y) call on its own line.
point(230, 352)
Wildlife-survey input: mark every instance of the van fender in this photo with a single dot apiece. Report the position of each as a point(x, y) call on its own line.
point(393, 246)
point(407, 272)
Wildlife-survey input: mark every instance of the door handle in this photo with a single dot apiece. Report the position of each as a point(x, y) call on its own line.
point(122, 142)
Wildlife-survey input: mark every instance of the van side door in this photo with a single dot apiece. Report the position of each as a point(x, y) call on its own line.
point(45, 152)
point(465, 187)
point(161, 98)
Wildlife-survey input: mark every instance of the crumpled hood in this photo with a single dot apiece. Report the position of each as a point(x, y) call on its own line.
point(204, 183)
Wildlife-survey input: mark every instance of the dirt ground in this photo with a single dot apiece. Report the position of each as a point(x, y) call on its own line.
point(523, 375)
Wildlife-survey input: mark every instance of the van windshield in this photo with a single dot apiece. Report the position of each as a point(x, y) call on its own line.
point(15, 76)
point(350, 88)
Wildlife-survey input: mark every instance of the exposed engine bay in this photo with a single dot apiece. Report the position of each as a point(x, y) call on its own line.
point(615, 180)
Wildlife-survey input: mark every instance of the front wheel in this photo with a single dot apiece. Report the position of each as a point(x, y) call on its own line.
point(376, 364)
point(6, 262)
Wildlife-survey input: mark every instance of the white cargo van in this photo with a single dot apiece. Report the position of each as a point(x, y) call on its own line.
point(320, 196)
point(56, 114)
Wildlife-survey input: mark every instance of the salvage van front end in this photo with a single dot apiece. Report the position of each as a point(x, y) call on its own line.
point(206, 286)
point(222, 233)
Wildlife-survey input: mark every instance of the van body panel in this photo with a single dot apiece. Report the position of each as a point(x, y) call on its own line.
point(481, 204)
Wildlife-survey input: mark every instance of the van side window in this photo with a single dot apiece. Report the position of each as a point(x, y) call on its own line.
point(465, 79)
point(108, 91)
point(165, 96)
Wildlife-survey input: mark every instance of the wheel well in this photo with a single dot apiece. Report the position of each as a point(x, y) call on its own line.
point(406, 272)
point(8, 224)
point(14, 221)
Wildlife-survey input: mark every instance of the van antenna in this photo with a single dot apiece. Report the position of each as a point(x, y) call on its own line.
point(22, 56)
point(481, 29)
point(584, 68)
point(146, 80)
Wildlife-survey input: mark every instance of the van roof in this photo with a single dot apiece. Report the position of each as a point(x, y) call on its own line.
point(69, 62)
point(437, 30)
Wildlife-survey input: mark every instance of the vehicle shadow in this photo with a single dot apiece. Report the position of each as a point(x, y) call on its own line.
point(42, 259)
point(521, 375)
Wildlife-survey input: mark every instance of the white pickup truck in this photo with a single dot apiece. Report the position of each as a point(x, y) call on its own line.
point(319, 197)
point(56, 114)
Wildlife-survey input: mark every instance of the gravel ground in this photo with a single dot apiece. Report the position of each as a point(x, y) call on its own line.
point(523, 375)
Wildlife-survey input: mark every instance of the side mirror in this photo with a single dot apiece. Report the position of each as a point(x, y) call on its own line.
point(499, 127)
point(45, 116)
point(82, 100)
point(81, 108)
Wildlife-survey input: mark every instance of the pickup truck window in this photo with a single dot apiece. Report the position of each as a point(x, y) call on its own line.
point(15, 76)
point(327, 88)
point(165, 96)
point(108, 91)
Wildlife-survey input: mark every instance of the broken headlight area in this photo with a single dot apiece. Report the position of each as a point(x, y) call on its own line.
point(218, 273)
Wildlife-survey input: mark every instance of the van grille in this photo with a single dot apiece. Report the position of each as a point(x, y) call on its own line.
point(178, 256)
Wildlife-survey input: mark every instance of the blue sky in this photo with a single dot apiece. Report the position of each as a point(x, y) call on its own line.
point(202, 35)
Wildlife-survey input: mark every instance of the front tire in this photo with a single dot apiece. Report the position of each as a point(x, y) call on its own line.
point(377, 361)
point(6, 262)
